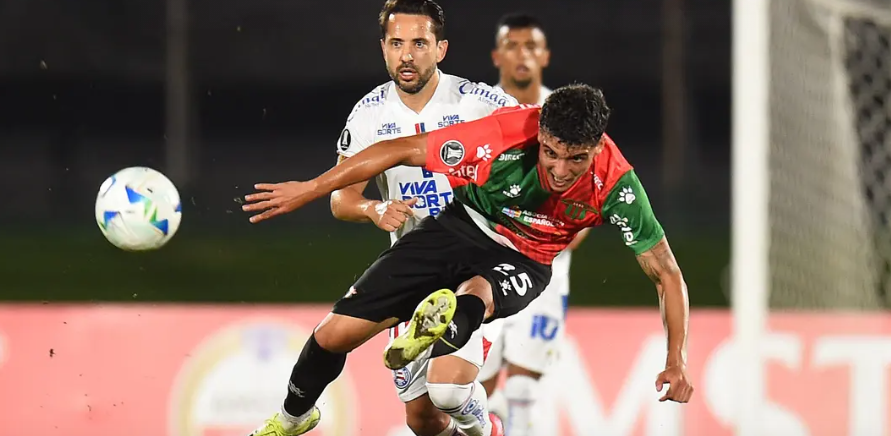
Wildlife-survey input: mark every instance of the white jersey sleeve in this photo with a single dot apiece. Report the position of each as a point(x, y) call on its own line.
point(358, 134)
point(479, 99)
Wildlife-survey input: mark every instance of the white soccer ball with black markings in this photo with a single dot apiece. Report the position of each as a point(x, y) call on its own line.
point(138, 209)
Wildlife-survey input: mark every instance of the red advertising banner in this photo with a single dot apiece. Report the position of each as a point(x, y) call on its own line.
point(221, 370)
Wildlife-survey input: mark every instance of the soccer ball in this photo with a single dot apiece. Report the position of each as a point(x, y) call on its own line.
point(138, 209)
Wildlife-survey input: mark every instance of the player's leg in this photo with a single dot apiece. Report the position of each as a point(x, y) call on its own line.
point(386, 293)
point(444, 320)
point(518, 279)
point(531, 345)
point(320, 362)
point(506, 282)
point(424, 419)
point(421, 416)
point(453, 387)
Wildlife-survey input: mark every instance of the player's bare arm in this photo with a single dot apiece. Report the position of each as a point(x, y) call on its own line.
point(662, 268)
point(350, 204)
point(280, 198)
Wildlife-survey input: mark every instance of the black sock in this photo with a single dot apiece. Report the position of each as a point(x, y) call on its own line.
point(314, 370)
point(469, 316)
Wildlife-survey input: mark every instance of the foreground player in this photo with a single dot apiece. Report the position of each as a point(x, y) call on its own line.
point(419, 98)
point(527, 180)
point(531, 340)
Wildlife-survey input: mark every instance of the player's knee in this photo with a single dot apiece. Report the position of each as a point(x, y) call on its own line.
point(490, 385)
point(520, 388)
point(515, 370)
point(451, 369)
point(342, 334)
point(449, 397)
point(479, 287)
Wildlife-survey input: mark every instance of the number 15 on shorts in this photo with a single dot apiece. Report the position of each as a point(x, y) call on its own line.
point(519, 283)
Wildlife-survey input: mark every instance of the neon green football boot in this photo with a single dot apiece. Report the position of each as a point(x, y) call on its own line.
point(274, 426)
point(428, 324)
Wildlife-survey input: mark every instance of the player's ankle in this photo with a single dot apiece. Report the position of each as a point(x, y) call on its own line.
point(289, 421)
point(469, 315)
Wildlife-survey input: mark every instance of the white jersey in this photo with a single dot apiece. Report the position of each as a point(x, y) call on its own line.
point(382, 115)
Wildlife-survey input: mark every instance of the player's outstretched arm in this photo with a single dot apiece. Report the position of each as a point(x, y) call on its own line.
point(662, 268)
point(280, 198)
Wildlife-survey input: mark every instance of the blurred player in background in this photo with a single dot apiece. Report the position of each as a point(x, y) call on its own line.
point(442, 396)
point(530, 340)
point(526, 181)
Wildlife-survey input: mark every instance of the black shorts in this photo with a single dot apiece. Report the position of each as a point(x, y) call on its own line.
point(439, 253)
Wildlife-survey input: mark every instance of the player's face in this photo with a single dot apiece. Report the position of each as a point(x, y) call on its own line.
point(564, 164)
point(411, 51)
point(520, 55)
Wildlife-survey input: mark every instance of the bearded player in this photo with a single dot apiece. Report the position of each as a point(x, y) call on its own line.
point(531, 340)
point(526, 181)
point(419, 98)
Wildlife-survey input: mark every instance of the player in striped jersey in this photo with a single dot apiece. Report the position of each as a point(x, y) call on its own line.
point(530, 341)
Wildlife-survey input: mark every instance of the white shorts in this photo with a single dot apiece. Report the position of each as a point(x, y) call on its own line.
point(411, 381)
point(531, 339)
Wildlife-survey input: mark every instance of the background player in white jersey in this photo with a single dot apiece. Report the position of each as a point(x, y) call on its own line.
point(530, 340)
point(420, 98)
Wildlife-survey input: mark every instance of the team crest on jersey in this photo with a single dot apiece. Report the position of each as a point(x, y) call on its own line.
point(451, 152)
point(577, 210)
point(402, 377)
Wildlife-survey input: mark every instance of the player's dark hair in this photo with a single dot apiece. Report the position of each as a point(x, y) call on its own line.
point(519, 20)
point(428, 8)
point(575, 114)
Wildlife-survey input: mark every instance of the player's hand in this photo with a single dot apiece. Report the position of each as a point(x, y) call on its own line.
point(278, 199)
point(679, 387)
point(391, 215)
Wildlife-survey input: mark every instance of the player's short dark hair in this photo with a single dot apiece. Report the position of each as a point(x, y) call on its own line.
point(519, 20)
point(428, 8)
point(575, 114)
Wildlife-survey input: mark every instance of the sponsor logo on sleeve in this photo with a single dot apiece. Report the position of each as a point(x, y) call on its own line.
point(625, 227)
point(468, 172)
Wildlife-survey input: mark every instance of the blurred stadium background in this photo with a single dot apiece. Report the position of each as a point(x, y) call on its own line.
point(197, 338)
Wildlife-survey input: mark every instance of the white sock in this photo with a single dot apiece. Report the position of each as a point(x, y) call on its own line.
point(466, 404)
point(498, 403)
point(519, 390)
point(451, 430)
point(289, 421)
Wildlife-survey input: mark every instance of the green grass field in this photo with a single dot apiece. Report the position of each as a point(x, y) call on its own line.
point(310, 266)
